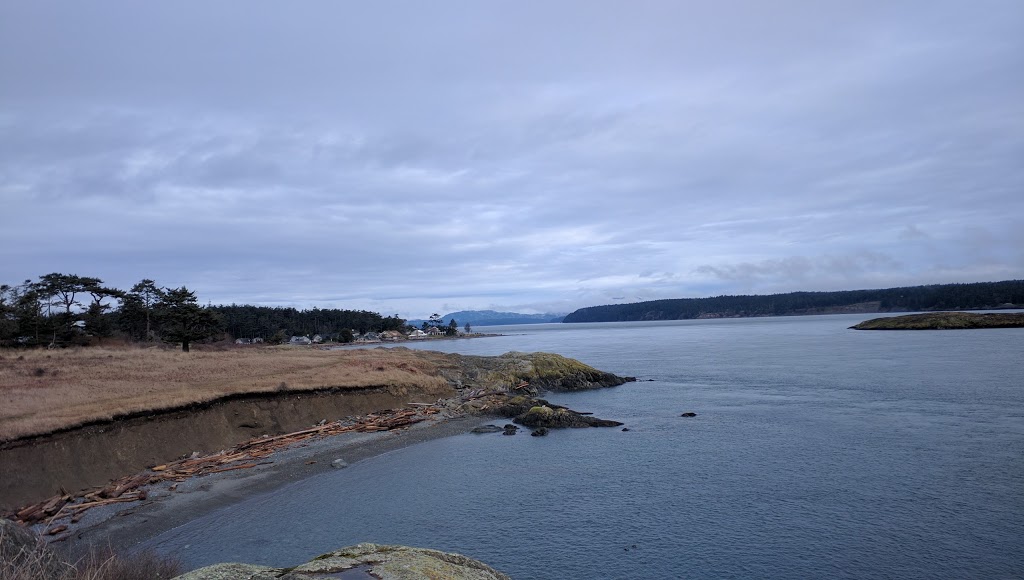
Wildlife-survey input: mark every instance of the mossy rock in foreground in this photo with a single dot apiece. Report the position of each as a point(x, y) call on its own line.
point(944, 321)
point(362, 561)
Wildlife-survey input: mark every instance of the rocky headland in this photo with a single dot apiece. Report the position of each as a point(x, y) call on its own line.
point(144, 459)
point(944, 321)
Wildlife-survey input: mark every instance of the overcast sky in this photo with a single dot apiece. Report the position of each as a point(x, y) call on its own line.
point(418, 157)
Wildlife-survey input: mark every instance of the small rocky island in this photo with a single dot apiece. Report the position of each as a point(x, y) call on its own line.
point(944, 321)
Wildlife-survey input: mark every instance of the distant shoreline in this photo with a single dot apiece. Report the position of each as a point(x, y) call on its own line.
point(344, 345)
point(1007, 294)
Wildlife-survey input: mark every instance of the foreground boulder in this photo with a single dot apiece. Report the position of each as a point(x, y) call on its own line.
point(361, 561)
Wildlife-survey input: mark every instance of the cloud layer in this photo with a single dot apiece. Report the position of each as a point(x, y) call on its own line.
point(411, 158)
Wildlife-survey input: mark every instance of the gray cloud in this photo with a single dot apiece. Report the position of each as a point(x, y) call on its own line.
point(403, 157)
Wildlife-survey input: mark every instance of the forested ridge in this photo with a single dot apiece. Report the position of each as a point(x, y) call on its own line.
point(975, 296)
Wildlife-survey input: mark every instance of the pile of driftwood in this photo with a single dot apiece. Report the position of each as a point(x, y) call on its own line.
point(243, 456)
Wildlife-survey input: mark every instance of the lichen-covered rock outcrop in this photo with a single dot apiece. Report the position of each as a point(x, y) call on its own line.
point(542, 371)
point(362, 561)
point(560, 417)
point(535, 413)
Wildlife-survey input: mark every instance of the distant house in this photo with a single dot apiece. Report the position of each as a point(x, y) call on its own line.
point(80, 324)
point(434, 331)
point(417, 333)
point(317, 339)
point(391, 335)
point(255, 340)
point(300, 340)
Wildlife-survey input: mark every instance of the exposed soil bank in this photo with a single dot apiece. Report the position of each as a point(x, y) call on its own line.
point(38, 467)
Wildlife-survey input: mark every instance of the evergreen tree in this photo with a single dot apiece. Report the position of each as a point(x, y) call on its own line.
point(182, 320)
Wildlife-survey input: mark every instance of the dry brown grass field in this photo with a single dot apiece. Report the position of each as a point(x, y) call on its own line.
point(45, 390)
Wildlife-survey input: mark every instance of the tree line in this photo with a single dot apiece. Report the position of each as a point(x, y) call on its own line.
point(976, 296)
point(276, 324)
point(67, 309)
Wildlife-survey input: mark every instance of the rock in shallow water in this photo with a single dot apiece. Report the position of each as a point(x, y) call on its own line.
point(559, 417)
point(384, 562)
point(487, 429)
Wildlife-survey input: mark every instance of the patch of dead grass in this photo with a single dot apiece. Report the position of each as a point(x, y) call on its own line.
point(42, 391)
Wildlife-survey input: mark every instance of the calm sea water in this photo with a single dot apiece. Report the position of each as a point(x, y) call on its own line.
point(817, 452)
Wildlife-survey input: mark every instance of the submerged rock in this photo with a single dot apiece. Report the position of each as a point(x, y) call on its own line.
point(510, 430)
point(362, 561)
point(689, 414)
point(539, 432)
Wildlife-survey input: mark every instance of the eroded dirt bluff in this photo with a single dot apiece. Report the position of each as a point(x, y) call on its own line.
point(37, 467)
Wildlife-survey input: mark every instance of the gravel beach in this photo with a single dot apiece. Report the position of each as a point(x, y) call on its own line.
point(125, 526)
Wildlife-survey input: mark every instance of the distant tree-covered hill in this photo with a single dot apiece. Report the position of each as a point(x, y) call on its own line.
point(977, 296)
point(494, 318)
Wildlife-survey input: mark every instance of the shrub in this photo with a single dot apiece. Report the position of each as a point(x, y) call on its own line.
point(31, 560)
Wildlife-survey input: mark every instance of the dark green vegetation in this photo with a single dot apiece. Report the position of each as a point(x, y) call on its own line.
point(53, 311)
point(450, 328)
point(978, 296)
point(277, 324)
point(944, 321)
point(67, 309)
